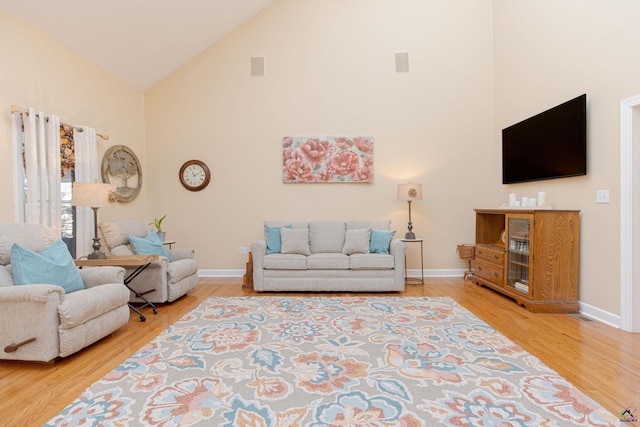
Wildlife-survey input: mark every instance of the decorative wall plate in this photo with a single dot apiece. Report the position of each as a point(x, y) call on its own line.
point(121, 165)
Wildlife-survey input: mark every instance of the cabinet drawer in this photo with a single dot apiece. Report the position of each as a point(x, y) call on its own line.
point(489, 271)
point(490, 254)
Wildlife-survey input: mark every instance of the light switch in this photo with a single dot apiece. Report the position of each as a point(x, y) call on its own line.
point(602, 196)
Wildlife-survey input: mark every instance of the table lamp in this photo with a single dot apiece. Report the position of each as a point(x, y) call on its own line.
point(410, 192)
point(95, 195)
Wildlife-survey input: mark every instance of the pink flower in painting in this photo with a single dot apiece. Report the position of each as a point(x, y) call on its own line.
point(362, 175)
point(344, 163)
point(368, 161)
point(290, 154)
point(315, 151)
point(344, 143)
point(324, 175)
point(287, 141)
point(298, 171)
point(364, 144)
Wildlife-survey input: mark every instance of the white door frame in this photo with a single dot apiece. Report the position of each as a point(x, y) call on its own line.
point(629, 213)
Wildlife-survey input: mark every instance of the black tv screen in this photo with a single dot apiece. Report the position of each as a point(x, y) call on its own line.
point(552, 144)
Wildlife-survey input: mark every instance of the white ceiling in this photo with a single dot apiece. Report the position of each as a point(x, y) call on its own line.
point(139, 41)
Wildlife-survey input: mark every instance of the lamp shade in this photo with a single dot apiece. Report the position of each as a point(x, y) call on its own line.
point(410, 191)
point(93, 194)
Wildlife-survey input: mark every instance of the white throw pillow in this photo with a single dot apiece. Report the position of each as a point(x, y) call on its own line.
point(356, 241)
point(295, 241)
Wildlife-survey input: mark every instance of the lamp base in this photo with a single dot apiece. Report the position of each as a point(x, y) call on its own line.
point(410, 235)
point(97, 255)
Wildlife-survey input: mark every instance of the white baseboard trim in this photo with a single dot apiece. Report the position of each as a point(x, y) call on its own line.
point(436, 273)
point(600, 315)
point(220, 273)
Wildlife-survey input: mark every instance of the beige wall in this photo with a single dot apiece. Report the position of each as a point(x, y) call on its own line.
point(330, 70)
point(547, 52)
point(476, 67)
point(39, 72)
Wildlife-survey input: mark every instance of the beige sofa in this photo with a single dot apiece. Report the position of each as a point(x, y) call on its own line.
point(333, 261)
point(49, 321)
point(164, 280)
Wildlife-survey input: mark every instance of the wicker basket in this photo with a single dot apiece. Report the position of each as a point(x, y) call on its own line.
point(466, 251)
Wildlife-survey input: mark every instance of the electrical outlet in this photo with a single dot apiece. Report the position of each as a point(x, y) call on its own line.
point(243, 250)
point(602, 196)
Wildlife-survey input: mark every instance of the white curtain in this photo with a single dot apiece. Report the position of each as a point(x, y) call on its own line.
point(42, 168)
point(86, 170)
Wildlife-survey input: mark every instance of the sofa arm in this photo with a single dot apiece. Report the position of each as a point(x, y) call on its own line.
point(258, 252)
point(95, 276)
point(398, 249)
point(182, 253)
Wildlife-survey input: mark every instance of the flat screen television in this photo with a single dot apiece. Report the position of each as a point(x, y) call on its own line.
point(552, 144)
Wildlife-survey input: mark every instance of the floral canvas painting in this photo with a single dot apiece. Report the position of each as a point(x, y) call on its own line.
point(327, 159)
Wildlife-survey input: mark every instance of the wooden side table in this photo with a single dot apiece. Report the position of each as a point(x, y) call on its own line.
point(414, 280)
point(139, 261)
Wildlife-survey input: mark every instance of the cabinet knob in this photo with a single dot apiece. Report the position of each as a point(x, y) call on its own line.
point(479, 268)
point(496, 274)
point(496, 257)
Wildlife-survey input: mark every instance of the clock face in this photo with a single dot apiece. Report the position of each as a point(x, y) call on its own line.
point(195, 175)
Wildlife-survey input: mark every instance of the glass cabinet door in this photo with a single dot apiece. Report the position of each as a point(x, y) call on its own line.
point(519, 232)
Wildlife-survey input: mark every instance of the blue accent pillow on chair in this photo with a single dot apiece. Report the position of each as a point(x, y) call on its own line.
point(53, 265)
point(150, 245)
point(380, 241)
point(274, 241)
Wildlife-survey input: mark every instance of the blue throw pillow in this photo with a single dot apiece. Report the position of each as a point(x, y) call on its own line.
point(150, 245)
point(274, 241)
point(380, 240)
point(54, 265)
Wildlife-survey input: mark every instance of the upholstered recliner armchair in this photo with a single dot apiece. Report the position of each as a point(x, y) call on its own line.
point(41, 322)
point(163, 280)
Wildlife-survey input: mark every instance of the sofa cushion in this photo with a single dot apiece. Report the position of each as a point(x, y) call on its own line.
point(326, 236)
point(117, 231)
point(328, 261)
point(356, 241)
point(272, 236)
point(284, 262)
point(53, 265)
point(371, 261)
point(6, 277)
point(380, 241)
point(295, 241)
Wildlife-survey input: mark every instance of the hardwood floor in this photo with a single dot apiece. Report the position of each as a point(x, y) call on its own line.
point(600, 360)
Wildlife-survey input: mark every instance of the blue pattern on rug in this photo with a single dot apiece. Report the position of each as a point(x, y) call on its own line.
point(320, 362)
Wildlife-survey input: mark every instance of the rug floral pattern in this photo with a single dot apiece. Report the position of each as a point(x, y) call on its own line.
point(316, 362)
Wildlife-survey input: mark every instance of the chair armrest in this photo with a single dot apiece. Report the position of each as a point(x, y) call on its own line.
point(182, 253)
point(94, 276)
point(28, 312)
point(30, 293)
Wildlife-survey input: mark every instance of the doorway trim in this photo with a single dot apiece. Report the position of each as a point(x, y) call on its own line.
point(629, 283)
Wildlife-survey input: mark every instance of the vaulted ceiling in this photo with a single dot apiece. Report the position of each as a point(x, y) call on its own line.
point(139, 41)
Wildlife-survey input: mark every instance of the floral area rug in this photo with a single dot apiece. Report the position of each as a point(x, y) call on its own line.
point(377, 361)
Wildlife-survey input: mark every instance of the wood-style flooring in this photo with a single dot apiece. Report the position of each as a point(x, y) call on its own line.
point(600, 360)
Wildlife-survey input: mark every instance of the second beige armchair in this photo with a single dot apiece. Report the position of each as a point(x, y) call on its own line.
point(164, 280)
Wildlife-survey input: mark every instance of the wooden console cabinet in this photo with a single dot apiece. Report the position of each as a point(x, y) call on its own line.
point(531, 256)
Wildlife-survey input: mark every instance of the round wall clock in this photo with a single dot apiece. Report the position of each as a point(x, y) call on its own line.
point(195, 175)
point(121, 167)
